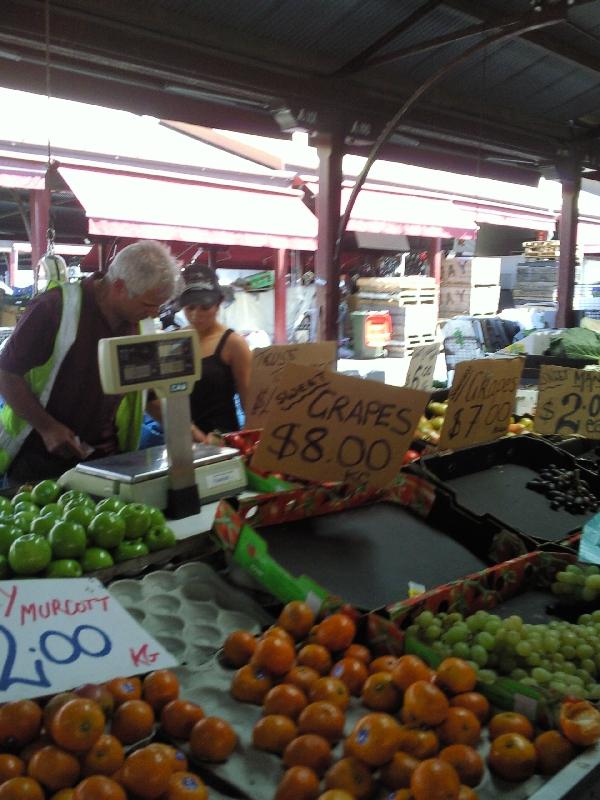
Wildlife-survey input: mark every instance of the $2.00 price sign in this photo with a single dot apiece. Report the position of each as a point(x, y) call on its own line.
point(329, 427)
point(481, 401)
point(267, 365)
point(422, 366)
point(568, 402)
point(57, 634)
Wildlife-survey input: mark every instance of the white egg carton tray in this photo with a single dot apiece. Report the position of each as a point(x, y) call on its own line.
point(189, 611)
point(255, 774)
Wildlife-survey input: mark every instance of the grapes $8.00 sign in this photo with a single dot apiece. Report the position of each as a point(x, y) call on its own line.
point(328, 427)
point(481, 401)
point(56, 634)
point(568, 402)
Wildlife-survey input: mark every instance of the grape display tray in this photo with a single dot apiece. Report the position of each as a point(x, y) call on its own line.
point(189, 611)
point(368, 556)
point(490, 480)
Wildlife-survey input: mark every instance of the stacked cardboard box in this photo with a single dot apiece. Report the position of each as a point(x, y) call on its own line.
point(469, 286)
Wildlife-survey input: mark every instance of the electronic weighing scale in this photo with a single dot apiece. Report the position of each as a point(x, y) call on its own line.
point(180, 476)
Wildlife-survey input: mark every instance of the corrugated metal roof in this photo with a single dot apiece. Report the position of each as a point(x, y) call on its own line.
point(290, 51)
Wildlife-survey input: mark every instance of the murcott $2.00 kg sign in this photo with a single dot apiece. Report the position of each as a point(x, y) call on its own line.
point(58, 634)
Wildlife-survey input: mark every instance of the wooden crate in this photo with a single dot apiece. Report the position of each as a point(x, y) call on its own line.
point(534, 291)
point(528, 273)
point(404, 348)
point(471, 271)
point(468, 300)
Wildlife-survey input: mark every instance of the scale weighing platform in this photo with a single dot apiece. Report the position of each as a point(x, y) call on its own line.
point(181, 476)
point(143, 475)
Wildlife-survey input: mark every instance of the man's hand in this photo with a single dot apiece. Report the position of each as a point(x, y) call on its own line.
point(61, 441)
point(198, 435)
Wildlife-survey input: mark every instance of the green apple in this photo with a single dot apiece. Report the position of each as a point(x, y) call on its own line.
point(159, 538)
point(24, 520)
point(96, 558)
point(130, 548)
point(136, 517)
point(75, 494)
point(45, 492)
point(52, 509)
point(29, 554)
point(5, 505)
point(8, 534)
point(64, 568)
point(110, 504)
point(4, 568)
point(157, 518)
point(107, 529)
point(82, 514)
point(21, 496)
point(24, 505)
point(43, 525)
point(67, 539)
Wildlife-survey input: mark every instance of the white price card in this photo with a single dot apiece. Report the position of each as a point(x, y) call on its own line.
point(56, 634)
point(422, 366)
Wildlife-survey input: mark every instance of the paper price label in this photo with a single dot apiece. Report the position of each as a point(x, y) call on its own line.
point(55, 634)
point(267, 365)
point(568, 402)
point(481, 401)
point(329, 427)
point(422, 366)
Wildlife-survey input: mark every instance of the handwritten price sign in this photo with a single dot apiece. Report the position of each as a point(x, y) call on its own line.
point(568, 402)
point(422, 366)
point(267, 365)
point(55, 634)
point(481, 401)
point(330, 427)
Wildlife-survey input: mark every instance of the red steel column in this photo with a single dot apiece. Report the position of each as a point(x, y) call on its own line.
point(330, 150)
point(280, 297)
point(39, 216)
point(570, 176)
point(435, 269)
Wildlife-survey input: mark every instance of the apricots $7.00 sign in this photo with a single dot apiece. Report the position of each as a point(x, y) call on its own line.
point(481, 401)
point(328, 427)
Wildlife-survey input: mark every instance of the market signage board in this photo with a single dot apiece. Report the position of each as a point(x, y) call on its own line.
point(56, 634)
point(568, 402)
point(328, 427)
point(481, 401)
point(267, 365)
point(422, 366)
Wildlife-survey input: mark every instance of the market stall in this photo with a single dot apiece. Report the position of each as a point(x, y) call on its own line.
point(256, 657)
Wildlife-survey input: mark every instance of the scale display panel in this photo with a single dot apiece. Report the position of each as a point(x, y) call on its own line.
point(155, 361)
point(167, 362)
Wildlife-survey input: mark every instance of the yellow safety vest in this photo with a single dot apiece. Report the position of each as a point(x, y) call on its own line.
point(14, 429)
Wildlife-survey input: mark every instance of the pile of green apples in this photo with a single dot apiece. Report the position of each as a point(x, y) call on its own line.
point(45, 531)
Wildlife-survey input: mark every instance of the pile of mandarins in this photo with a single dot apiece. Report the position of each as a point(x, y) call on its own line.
point(77, 745)
point(419, 735)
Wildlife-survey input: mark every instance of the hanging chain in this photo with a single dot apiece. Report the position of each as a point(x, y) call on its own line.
point(47, 45)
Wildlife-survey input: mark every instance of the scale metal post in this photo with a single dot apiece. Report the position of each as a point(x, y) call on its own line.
point(169, 477)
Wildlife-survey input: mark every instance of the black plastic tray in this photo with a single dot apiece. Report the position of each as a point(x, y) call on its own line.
point(367, 556)
point(490, 480)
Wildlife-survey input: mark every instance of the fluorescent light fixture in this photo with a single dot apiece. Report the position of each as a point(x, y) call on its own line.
point(9, 56)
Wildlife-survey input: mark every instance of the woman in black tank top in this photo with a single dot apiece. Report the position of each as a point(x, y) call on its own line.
point(226, 357)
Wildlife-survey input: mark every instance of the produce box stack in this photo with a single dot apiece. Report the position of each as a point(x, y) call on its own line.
point(412, 303)
point(469, 286)
point(537, 274)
